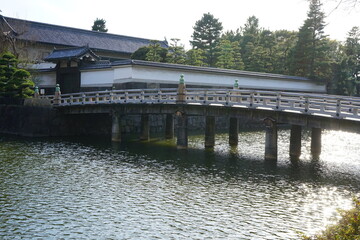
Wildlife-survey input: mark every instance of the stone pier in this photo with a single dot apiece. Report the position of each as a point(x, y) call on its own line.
point(210, 132)
point(234, 132)
point(182, 130)
point(116, 128)
point(271, 137)
point(316, 142)
point(295, 142)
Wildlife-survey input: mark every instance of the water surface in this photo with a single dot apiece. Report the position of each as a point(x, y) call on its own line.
point(89, 188)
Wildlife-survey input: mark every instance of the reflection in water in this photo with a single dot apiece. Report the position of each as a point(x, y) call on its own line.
point(91, 188)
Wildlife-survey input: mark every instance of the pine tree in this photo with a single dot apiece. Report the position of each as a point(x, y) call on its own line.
point(250, 36)
point(156, 53)
point(195, 57)
point(176, 53)
point(310, 55)
point(14, 82)
point(99, 25)
point(229, 55)
point(206, 36)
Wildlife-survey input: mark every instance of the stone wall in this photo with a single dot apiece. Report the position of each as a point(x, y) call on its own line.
point(35, 118)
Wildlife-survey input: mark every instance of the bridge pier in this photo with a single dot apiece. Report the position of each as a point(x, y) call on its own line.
point(145, 127)
point(271, 136)
point(169, 126)
point(316, 142)
point(210, 131)
point(182, 130)
point(116, 128)
point(295, 142)
point(234, 131)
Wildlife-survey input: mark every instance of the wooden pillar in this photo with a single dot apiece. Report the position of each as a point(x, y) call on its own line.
point(316, 142)
point(210, 132)
point(169, 126)
point(234, 131)
point(116, 128)
point(182, 130)
point(145, 127)
point(295, 142)
point(270, 139)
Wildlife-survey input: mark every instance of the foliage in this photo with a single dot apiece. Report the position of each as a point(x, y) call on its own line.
point(156, 53)
point(206, 36)
point(347, 69)
point(99, 25)
point(229, 55)
point(195, 57)
point(307, 52)
point(347, 228)
point(310, 55)
point(14, 82)
point(176, 53)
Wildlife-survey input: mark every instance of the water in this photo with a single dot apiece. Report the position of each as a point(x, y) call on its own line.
point(92, 189)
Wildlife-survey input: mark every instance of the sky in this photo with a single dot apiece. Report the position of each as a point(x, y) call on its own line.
point(160, 19)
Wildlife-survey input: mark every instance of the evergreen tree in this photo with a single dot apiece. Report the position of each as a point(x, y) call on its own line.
point(99, 25)
point(14, 82)
point(250, 36)
point(229, 55)
point(310, 55)
point(285, 42)
point(156, 53)
point(347, 71)
point(206, 35)
point(195, 57)
point(176, 53)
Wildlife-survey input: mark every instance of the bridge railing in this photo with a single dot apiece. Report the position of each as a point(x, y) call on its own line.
point(304, 103)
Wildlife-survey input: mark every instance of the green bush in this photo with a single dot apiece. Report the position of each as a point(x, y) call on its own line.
point(14, 82)
point(347, 228)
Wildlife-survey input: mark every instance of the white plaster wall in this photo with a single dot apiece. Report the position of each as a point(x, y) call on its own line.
point(136, 73)
point(123, 74)
point(147, 74)
point(98, 78)
point(46, 79)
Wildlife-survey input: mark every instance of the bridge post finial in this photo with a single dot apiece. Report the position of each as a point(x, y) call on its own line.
point(36, 92)
point(236, 84)
point(181, 91)
point(57, 96)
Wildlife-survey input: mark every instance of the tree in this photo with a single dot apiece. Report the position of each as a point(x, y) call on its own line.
point(347, 71)
point(14, 82)
point(195, 57)
point(156, 53)
point(176, 53)
point(310, 55)
point(250, 36)
point(99, 25)
point(229, 55)
point(206, 35)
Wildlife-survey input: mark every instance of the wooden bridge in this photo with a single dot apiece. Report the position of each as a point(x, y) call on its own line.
point(316, 111)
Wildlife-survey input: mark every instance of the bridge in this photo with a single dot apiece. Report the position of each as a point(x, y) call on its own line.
point(315, 111)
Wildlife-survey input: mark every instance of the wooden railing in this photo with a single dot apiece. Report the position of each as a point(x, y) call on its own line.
point(302, 103)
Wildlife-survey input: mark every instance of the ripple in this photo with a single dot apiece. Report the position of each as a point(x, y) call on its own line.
point(54, 189)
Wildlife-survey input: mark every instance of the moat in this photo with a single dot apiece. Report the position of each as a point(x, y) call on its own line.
point(90, 188)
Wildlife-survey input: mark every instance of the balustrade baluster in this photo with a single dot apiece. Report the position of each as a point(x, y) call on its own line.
point(338, 107)
point(278, 101)
point(251, 99)
point(306, 104)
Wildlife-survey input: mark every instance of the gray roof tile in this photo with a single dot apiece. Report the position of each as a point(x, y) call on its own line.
point(73, 37)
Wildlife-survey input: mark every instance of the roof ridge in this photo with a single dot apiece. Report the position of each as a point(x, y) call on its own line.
point(77, 29)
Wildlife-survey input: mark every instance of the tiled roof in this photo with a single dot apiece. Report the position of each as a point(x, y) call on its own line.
point(70, 53)
point(72, 37)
